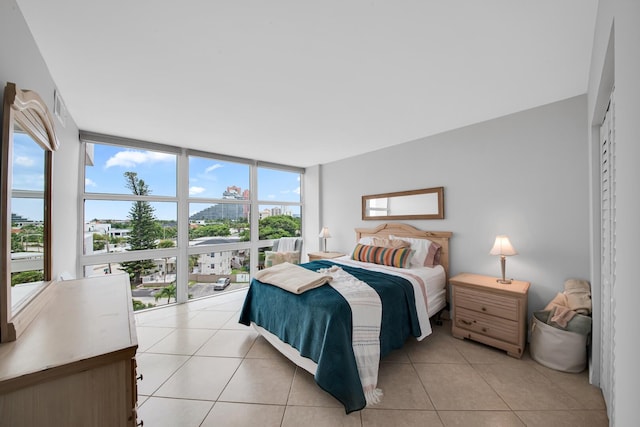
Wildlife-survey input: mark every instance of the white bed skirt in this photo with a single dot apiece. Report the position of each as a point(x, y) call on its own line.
point(289, 352)
point(436, 303)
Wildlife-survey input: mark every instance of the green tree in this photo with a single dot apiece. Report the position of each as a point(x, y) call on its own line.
point(193, 261)
point(139, 305)
point(27, 277)
point(168, 291)
point(143, 223)
point(99, 241)
point(274, 227)
point(209, 230)
point(165, 244)
point(30, 238)
point(16, 242)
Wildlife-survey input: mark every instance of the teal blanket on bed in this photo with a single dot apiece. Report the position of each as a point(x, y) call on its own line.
point(318, 324)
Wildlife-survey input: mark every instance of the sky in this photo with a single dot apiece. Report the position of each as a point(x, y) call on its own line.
point(28, 174)
point(208, 178)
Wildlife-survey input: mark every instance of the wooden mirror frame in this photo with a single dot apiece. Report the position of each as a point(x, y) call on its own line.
point(437, 214)
point(29, 111)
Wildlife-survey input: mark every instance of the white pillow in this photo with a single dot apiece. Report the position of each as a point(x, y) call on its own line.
point(420, 249)
point(368, 240)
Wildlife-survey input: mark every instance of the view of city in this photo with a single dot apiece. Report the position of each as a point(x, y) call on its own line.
point(219, 203)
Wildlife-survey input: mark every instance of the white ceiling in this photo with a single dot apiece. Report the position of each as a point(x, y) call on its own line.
point(307, 82)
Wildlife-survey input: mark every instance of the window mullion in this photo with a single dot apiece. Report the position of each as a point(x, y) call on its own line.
point(182, 277)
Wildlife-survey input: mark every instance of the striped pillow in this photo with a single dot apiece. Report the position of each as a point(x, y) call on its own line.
point(393, 257)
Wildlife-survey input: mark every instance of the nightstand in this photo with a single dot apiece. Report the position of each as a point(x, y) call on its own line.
point(490, 312)
point(323, 255)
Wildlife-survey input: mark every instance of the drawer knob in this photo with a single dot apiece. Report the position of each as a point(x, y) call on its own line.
point(484, 308)
point(484, 329)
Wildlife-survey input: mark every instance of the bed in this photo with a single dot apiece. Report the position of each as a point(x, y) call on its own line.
point(320, 329)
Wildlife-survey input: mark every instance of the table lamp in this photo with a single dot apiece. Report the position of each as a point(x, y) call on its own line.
point(503, 247)
point(324, 234)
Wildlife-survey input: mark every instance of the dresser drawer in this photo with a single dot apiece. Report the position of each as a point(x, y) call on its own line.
point(502, 329)
point(495, 305)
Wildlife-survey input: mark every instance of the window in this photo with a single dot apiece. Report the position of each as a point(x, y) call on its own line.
point(27, 214)
point(177, 220)
point(280, 203)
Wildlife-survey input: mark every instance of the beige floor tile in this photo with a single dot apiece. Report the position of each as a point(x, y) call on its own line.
point(226, 301)
point(398, 356)
point(150, 335)
point(142, 398)
point(226, 343)
point(401, 387)
point(260, 381)
point(207, 319)
point(261, 349)
point(475, 352)
point(524, 388)
point(399, 418)
point(564, 418)
point(156, 369)
point(480, 419)
point(232, 305)
point(458, 387)
point(233, 324)
point(201, 378)
point(467, 382)
point(244, 415)
point(176, 320)
point(204, 303)
point(161, 412)
point(305, 392)
point(576, 385)
point(437, 348)
point(296, 416)
point(182, 341)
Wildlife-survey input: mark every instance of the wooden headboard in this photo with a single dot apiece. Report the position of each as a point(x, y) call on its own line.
point(404, 230)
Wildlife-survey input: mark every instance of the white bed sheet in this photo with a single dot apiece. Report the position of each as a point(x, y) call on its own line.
point(435, 285)
point(429, 285)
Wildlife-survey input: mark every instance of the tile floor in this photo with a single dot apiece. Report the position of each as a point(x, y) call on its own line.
point(201, 367)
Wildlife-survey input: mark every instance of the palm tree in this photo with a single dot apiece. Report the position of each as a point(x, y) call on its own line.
point(165, 244)
point(168, 291)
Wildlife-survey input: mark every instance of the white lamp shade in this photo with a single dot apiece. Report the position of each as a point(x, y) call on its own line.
point(324, 233)
point(502, 246)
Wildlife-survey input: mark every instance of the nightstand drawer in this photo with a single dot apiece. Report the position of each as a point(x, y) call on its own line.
point(495, 305)
point(502, 329)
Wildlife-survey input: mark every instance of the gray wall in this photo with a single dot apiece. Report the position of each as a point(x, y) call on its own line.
point(524, 175)
point(22, 64)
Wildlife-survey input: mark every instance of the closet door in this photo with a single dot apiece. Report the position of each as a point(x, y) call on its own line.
point(608, 254)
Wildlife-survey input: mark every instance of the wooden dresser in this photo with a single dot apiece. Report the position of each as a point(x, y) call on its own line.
point(74, 365)
point(490, 312)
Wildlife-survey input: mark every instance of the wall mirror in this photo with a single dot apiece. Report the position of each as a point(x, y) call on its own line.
point(426, 203)
point(28, 142)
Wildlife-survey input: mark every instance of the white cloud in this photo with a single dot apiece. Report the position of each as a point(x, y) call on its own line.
point(131, 158)
point(89, 183)
point(196, 190)
point(297, 190)
point(212, 168)
point(24, 161)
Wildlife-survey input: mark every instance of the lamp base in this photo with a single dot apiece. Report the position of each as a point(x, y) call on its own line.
point(503, 262)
